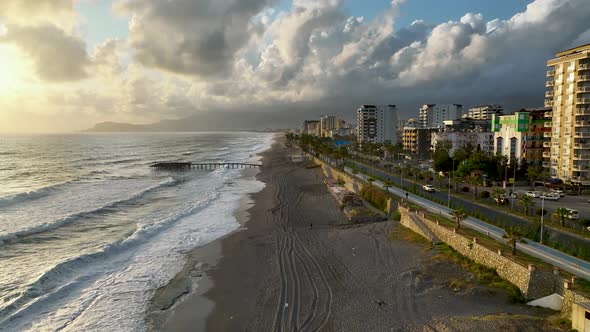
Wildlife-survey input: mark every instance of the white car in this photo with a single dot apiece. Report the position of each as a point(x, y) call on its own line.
point(428, 188)
point(533, 194)
point(574, 214)
point(550, 196)
point(559, 192)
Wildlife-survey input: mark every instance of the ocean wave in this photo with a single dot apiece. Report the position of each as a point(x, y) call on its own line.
point(73, 217)
point(29, 195)
point(66, 275)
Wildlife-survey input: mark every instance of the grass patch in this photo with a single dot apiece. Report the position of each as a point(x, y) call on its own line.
point(563, 324)
point(406, 234)
point(395, 215)
point(483, 274)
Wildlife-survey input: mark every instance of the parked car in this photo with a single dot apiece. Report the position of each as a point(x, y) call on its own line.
point(573, 214)
point(429, 188)
point(534, 194)
point(550, 196)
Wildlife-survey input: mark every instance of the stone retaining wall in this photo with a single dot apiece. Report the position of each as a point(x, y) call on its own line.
point(569, 298)
point(532, 282)
point(350, 183)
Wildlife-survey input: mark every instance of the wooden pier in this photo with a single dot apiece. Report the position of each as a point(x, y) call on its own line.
point(190, 165)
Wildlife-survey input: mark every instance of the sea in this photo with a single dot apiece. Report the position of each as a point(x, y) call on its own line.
point(88, 230)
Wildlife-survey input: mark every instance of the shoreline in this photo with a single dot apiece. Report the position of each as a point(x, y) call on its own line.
point(186, 291)
point(296, 267)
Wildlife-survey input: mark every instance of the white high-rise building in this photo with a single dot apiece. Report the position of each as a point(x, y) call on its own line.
point(377, 124)
point(484, 112)
point(433, 115)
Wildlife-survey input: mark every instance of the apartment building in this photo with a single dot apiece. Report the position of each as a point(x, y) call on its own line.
point(327, 124)
point(568, 94)
point(311, 127)
point(483, 112)
point(433, 115)
point(377, 123)
point(522, 136)
point(481, 140)
point(417, 141)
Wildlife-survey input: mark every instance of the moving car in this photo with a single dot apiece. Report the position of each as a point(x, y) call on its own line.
point(550, 196)
point(560, 192)
point(534, 194)
point(429, 188)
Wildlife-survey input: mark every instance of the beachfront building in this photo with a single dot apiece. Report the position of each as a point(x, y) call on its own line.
point(478, 139)
point(484, 112)
point(377, 124)
point(311, 127)
point(433, 115)
point(416, 142)
point(568, 95)
point(327, 124)
point(522, 136)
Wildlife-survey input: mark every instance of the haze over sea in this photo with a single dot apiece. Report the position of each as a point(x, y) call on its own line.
point(88, 231)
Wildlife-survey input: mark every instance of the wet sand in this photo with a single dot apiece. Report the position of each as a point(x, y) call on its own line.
point(295, 267)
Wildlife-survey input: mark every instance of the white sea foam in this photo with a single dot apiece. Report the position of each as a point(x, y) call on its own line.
point(109, 289)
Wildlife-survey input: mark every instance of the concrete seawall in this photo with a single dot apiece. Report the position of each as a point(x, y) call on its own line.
point(533, 282)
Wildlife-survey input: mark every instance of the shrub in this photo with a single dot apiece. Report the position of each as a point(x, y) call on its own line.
point(375, 196)
point(484, 194)
point(541, 212)
point(465, 189)
point(395, 215)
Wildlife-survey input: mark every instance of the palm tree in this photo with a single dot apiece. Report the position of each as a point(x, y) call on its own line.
point(498, 193)
point(512, 236)
point(561, 213)
point(387, 184)
point(474, 181)
point(459, 214)
point(527, 202)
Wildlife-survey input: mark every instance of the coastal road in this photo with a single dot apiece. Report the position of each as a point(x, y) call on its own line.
point(566, 262)
point(552, 234)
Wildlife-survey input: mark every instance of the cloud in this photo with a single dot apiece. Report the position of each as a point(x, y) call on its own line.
point(31, 12)
point(57, 56)
point(191, 37)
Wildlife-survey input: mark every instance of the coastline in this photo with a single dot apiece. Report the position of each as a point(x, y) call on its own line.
point(293, 266)
point(182, 304)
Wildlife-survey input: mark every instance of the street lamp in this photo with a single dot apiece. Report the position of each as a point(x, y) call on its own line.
point(542, 216)
point(449, 195)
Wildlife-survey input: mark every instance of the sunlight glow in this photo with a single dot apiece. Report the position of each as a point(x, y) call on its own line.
point(14, 70)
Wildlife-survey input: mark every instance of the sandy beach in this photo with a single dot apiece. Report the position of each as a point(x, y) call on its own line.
point(294, 266)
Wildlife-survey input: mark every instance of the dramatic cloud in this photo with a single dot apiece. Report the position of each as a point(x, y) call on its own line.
point(184, 57)
point(191, 37)
point(57, 56)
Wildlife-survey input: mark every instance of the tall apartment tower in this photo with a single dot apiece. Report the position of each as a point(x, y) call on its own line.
point(433, 115)
point(484, 112)
point(377, 123)
point(568, 95)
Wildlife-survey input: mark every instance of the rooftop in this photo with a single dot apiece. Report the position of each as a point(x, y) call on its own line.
point(577, 49)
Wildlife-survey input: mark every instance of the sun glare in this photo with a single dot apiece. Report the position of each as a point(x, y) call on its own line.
point(14, 70)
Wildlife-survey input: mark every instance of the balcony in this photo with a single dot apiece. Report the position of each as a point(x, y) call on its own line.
point(547, 134)
point(582, 111)
point(546, 154)
point(548, 103)
point(549, 84)
point(581, 167)
point(548, 114)
point(582, 123)
point(550, 73)
point(584, 66)
point(580, 146)
point(582, 134)
point(547, 124)
point(549, 94)
point(546, 144)
point(546, 164)
point(582, 89)
point(583, 101)
point(582, 156)
point(583, 78)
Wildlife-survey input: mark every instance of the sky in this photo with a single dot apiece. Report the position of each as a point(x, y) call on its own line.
point(66, 65)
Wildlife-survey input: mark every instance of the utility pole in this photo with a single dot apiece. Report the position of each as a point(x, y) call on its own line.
point(513, 184)
point(449, 195)
point(542, 215)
